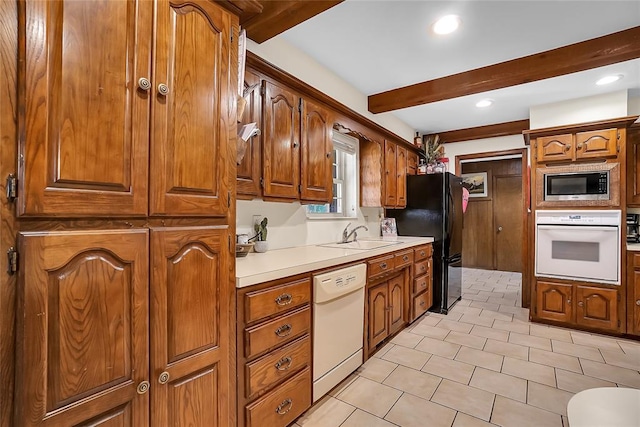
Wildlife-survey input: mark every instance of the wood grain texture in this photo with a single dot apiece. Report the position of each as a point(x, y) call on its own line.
point(555, 301)
point(633, 166)
point(481, 132)
point(8, 226)
point(281, 330)
point(507, 222)
point(390, 174)
point(397, 296)
point(401, 177)
point(378, 297)
point(621, 122)
point(371, 173)
point(248, 173)
point(278, 299)
point(609, 49)
point(316, 153)
point(633, 293)
point(597, 307)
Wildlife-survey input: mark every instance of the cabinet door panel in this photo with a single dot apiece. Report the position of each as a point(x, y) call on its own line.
point(556, 147)
point(390, 178)
point(597, 307)
point(83, 334)
point(401, 174)
point(378, 325)
point(281, 142)
point(190, 297)
point(554, 301)
point(190, 139)
point(397, 305)
point(316, 177)
point(85, 122)
point(601, 143)
point(634, 290)
point(248, 173)
point(633, 167)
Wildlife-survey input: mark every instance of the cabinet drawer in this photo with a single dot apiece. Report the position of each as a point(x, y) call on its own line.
point(283, 405)
point(276, 332)
point(422, 252)
point(421, 267)
point(422, 303)
point(276, 300)
point(402, 259)
point(380, 265)
point(421, 283)
point(636, 260)
point(277, 365)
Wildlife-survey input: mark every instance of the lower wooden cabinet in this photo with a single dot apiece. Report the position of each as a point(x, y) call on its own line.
point(422, 284)
point(554, 301)
point(387, 311)
point(633, 293)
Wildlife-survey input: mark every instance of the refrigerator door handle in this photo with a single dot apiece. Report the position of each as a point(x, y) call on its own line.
point(452, 217)
point(454, 259)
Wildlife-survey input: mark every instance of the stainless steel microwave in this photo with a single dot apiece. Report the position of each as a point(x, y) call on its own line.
point(582, 185)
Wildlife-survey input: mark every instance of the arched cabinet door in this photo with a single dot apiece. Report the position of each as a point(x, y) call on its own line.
point(82, 329)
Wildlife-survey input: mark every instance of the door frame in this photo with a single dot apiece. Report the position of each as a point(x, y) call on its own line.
point(526, 213)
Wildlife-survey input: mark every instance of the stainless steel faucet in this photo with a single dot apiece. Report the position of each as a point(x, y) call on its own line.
point(346, 235)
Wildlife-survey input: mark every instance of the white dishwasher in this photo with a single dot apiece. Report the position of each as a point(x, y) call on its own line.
point(338, 326)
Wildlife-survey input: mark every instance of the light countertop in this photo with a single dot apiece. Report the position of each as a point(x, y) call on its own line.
point(633, 246)
point(279, 263)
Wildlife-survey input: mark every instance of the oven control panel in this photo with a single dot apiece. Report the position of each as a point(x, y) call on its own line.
point(579, 217)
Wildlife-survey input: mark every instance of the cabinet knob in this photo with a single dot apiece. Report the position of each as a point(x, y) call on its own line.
point(163, 89)
point(405, 258)
point(638, 302)
point(144, 83)
point(295, 145)
point(579, 146)
point(143, 387)
point(580, 303)
point(499, 229)
point(569, 301)
point(284, 407)
point(164, 377)
point(328, 155)
point(422, 253)
point(567, 147)
point(383, 265)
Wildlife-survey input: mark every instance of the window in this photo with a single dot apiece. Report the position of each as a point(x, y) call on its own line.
point(345, 181)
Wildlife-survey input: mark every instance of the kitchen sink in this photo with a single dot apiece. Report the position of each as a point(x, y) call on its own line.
point(360, 244)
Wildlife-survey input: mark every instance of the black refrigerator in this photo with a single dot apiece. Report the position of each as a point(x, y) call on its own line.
point(434, 209)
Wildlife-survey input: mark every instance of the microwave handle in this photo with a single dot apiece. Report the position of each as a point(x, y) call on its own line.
point(577, 227)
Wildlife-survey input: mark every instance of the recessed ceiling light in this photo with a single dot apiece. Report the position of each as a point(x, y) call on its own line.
point(609, 79)
point(447, 24)
point(484, 103)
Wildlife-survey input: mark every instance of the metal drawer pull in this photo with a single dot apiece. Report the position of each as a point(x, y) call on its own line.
point(287, 403)
point(422, 253)
point(285, 360)
point(422, 267)
point(283, 330)
point(284, 299)
point(383, 265)
point(421, 303)
point(405, 258)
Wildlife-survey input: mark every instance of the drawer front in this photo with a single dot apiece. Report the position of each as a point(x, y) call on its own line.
point(422, 303)
point(636, 260)
point(421, 283)
point(283, 405)
point(422, 252)
point(422, 267)
point(276, 332)
point(277, 365)
point(403, 259)
point(380, 265)
point(276, 300)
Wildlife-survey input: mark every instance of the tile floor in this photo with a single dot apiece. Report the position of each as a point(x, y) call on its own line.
point(483, 364)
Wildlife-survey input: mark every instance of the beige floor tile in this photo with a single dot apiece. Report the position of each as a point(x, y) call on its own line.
point(451, 316)
point(430, 320)
point(441, 348)
point(473, 311)
point(514, 326)
point(496, 315)
point(550, 332)
point(581, 351)
point(509, 413)
point(411, 411)
point(464, 301)
point(406, 339)
point(494, 334)
point(480, 358)
point(489, 294)
point(557, 360)
point(623, 376)
point(529, 371)
point(370, 396)
point(344, 384)
point(360, 418)
point(450, 369)
point(478, 298)
point(384, 350)
point(629, 360)
point(598, 341)
point(376, 369)
point(514, 310)
point(630, 347)
point(328, 412)
point(530, 341)
point(464, 420)
point(497, 383)
point(574, 383)
point(470, 400)
point(485, 305)
point(466, 339)
point(477, 320)
point(548, 398)
point(430, 331)
point(503, 301)
point(407, 357)
point(415, 382)
point(453, 325)
point(507, 349)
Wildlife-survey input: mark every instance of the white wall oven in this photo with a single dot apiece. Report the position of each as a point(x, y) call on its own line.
point(578, 245)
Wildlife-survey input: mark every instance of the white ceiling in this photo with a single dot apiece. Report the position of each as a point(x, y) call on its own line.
point(378, 45)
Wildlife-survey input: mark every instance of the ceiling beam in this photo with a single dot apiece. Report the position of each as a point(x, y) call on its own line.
point(598, 52)
point(482, 132)
point(278, 16)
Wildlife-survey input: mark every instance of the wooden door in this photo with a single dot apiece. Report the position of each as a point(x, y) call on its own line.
point(390, 178)
point(192, 115)
point(280, 141)
point(477, 229)
point(633, 167)
point(507, 222)
point(555, 148)
point(597, 307)
point(248, 173)
point(554, 301)
point(597, 144)
point(190, 330)
point(378, 300)
point(316, 160)
point(396, 303)
point(401, 173)
point(85, 120)
point(82, 331)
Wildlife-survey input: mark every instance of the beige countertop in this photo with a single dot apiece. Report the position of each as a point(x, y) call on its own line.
point(633, 246)
point(279, 263)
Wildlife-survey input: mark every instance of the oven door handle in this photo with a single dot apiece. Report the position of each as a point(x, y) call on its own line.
point(578, 227)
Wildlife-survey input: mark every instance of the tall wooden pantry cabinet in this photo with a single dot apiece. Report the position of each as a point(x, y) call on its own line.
point(124, 213)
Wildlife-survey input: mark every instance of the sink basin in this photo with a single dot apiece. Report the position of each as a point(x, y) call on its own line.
point(360, 244)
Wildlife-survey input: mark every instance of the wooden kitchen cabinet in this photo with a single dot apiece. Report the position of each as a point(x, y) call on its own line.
point(316, 179)
point(401, 177)
point(249, 169)
point(577, 146)
point(397, 297)
point(395, 173)
point(554, 301)
point(412, 163)
point(597, 307)
point(378, 302)
point(633, 166)
point(633, 293)
point(422, 287)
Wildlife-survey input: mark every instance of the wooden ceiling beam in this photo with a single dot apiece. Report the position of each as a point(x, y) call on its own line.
point(598, 52)
point(481, 132)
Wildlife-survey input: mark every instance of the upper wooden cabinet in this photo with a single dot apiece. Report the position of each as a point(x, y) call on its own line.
point(633, 166)
point(395, 175)
point(316, 157)
point(92, 108)
point(401, 177)
point(249, 169)
point(412, 163)
point(575, 146)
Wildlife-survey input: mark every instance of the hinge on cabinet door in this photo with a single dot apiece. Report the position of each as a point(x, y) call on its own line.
point(229, 243)
point(261, 182)
point(299, 188)
point(12, 258)
point(618, 136)
point(232, 30)
point(263, 91)
point(12, 187)
point(228, 199)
